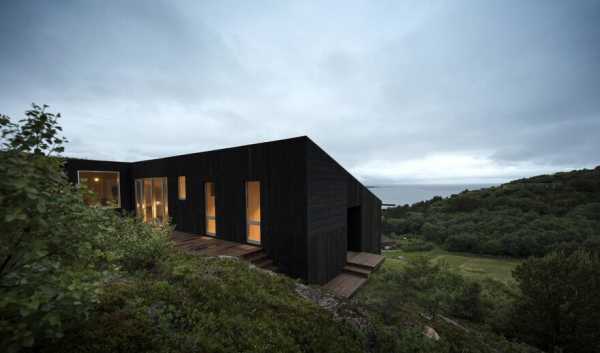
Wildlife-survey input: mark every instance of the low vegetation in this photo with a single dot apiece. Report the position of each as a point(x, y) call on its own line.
point(471, 266)
point(525, 217)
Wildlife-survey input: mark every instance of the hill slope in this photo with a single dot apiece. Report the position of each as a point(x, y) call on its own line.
point(524, 217)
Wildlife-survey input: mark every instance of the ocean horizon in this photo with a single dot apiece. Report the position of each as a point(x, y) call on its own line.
point(401, 194)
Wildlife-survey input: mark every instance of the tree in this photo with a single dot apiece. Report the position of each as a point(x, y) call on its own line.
point(560, 307)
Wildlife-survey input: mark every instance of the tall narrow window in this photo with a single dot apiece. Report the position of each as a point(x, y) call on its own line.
point(253, 212)
point(151, 201)
point(211, 212)
point(181, 188)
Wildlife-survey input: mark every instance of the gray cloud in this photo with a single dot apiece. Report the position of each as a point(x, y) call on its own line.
point(393, 90)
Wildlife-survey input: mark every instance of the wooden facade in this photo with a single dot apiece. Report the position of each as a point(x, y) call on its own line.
point(306, 199)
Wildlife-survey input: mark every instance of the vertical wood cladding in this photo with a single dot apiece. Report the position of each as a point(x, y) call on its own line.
point(277, 165)
point(327, 212)
point(331, 192)
point(305, 196)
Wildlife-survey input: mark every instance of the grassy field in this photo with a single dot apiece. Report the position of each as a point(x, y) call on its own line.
point(468, 265)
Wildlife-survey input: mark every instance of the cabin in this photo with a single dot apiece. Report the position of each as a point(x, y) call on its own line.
point(288, 197)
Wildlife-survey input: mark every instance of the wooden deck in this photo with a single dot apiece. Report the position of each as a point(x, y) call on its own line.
point(359, 265)
point(209, 246)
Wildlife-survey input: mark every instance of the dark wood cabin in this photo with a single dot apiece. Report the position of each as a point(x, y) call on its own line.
point(287, 196)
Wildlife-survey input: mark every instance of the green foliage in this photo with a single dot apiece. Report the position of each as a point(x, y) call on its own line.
point(559, 307)
point(415, 245)
point(196, 304)
point(522, 218)
point(55, 252)
point(404, 300)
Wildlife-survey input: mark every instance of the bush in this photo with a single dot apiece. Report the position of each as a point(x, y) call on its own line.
point(56, 253)
point(559, 307)
point(196, 304)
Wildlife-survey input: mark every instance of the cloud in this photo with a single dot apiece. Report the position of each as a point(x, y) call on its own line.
point(395, 91)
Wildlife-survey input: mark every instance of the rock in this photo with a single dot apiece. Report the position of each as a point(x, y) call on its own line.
point(227, 257)
point(342, 310)
point(400, 257)
point(429, 332)
point(387, 247)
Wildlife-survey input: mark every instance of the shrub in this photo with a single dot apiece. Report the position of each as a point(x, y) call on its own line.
point(55, 252)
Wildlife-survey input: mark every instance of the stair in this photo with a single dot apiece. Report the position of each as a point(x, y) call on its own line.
point(260, 259)
point(357, 270)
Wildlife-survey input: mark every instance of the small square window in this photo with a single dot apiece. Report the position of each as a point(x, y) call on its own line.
point(181, 188)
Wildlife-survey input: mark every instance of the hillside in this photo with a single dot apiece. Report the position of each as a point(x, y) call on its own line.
point(524, 217)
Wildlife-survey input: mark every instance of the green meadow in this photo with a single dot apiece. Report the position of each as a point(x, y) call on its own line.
point(468, 265)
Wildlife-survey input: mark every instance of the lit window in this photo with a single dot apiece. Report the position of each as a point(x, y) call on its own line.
point(104, 186)
point(181, 188)
point(210, 209)
point(253, 212)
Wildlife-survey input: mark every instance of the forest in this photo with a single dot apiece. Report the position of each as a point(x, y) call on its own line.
point(521, 218)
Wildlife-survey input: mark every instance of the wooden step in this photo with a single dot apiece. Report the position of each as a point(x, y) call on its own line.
point(345, 285)
point(255, 256)
point(266, 262)
point(364, 260)
point(357, 270)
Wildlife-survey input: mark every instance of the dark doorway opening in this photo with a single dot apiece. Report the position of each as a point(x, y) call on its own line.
point(353, 228)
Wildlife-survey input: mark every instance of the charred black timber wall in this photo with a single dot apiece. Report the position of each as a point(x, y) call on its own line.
point(305, 197)
point(282, 175)
point(332, 191)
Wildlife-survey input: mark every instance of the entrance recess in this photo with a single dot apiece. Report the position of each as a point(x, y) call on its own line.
point(253, 212)
point(151, 202)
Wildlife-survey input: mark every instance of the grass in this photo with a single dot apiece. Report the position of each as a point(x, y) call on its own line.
point(469, 265)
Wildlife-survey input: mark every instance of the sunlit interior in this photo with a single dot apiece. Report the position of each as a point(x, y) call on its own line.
point(253, 211)
point(181, 188)
point(104, 185)
point(151, 199)
point(211, 212)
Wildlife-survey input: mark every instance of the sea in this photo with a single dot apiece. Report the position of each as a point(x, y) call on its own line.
point(411, 193)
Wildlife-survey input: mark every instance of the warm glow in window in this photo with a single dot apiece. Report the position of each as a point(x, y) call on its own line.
point(210, 210)
point(181, 188)
point(253, 211)
point(104, 185)
point(151, 200)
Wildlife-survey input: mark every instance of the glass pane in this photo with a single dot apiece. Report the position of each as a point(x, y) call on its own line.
point(211, 226)
point(253, 201)
point(104, 185)
point(181, 188)
point(147, 205)
point(165, 198)
point(138, 198)
point(253, 211)
point(158, 199)
point(254, 233)
point(210, 209)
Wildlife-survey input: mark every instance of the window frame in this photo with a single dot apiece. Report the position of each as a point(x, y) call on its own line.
point(179, 189)
point(104, 171)
point(206, 216)
point(253, 222)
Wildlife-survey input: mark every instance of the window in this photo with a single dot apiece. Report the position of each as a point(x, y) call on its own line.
point(151, 202)
point(253, 212)
point(181, 187)
point(104, 186)
point(210, 209)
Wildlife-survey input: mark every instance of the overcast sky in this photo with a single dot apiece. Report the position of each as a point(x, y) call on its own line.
point(397, 92)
